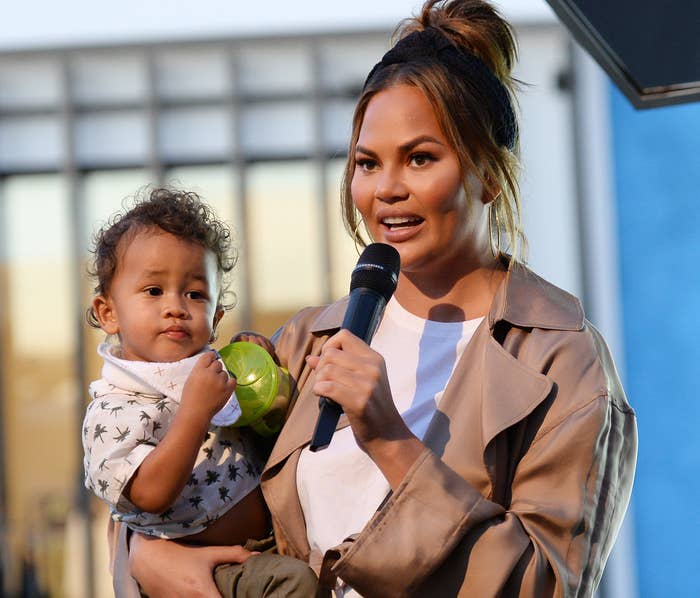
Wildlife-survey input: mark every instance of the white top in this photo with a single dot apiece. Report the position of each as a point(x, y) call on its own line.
point(132, 408)
point(340, 487)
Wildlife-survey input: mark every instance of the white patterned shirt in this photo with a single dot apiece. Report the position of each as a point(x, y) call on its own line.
point(132, 407)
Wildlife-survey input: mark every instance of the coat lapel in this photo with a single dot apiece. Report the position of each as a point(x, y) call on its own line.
point(510, 391)
point(298, 429)
point(489, 383)
point(488, 386)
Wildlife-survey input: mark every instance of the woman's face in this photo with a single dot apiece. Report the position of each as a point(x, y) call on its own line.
point(408, 185)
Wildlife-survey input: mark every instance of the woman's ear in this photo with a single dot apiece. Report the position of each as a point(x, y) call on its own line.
point(106, 314)
point(491, 191)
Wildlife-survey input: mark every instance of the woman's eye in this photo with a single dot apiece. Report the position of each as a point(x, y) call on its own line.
point(154, 291)
point(365, 164)
point(421, 159)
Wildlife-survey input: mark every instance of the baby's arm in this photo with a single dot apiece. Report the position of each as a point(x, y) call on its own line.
point(162, 475)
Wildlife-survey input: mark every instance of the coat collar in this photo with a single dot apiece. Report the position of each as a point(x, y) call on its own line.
point(528, 301)
point(523, 299)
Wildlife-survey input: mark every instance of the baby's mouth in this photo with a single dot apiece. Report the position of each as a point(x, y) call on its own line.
point(175, 332)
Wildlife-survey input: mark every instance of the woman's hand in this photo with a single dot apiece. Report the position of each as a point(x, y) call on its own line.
point(350, 373)
point(165, 568)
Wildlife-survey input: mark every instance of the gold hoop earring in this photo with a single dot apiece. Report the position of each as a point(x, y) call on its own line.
point(356, 235)
point(493, 215)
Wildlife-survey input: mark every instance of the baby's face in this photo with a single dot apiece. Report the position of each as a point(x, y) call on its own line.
point(162, 299)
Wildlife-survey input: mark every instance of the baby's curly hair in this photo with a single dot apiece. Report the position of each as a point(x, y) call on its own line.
point(180, 213)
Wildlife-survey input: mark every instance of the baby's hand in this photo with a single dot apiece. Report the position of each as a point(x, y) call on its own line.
point(258, 339)
point(209, 385)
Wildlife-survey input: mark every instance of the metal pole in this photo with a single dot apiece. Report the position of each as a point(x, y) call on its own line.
point(153, 119)
point(599, 253)
point(320, 156)
point(4, 540)
point(76, 229)
point(238, 164)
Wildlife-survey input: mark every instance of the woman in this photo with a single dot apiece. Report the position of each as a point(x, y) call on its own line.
point(486, 418)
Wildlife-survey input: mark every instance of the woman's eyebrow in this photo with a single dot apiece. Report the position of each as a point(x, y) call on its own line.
point(409, 145)
point(363, 150)
point(404, 148)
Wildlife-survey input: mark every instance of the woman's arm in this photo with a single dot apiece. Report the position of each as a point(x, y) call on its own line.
point(167, 569)
point(162, 475)
point(550, 541)
point(439, 533)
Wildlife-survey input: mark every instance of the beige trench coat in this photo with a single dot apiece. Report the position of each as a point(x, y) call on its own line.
point(528, 468)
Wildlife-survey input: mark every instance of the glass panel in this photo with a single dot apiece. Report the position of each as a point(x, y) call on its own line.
point(196, 133)
point(41, 394)
point(109, 77)
point(30, 142)
point(30, 82)
point(344, 254)
point(193, 73)
point(218, 187)
point(345, 63)
point(337, 124)
point(552, 227)
point(278, 67)
point(105, 193)
point(283, 239)
point(277, 129)
point(113, 137)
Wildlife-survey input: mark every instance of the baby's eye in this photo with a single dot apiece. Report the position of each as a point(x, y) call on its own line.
point(197, 295)
point(154, 291)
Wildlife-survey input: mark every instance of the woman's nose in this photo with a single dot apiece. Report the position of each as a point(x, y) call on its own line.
point(390, 185)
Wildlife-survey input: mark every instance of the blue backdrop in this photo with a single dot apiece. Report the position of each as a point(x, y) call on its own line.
point(657, 181)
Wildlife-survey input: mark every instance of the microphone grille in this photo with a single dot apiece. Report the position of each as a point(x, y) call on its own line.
point(377, 269)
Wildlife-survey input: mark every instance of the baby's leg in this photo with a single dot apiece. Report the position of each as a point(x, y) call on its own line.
point(266, 575)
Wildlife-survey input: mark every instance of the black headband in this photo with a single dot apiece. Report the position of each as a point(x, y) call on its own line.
point(432, 45)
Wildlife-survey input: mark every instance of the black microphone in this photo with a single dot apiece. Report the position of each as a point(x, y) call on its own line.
point(372, 283)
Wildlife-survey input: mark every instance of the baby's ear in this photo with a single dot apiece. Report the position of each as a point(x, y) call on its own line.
point(106, 314)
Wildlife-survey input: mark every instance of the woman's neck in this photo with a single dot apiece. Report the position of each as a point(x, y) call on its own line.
point(453, 296)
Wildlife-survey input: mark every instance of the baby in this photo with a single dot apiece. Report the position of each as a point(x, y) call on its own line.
point(155, 436)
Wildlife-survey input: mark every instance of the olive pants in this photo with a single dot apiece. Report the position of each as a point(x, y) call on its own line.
point(266, 575)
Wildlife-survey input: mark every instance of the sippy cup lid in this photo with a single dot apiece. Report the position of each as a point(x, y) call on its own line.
point(257, 376)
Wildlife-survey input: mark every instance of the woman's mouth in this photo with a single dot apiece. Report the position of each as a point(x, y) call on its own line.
point(399, 222)
point(397, 229)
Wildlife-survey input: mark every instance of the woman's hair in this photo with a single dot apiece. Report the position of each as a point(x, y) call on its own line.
point(469, 122)
point(180, 213)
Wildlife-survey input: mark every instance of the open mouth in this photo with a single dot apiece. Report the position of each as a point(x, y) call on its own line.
point(399, 222)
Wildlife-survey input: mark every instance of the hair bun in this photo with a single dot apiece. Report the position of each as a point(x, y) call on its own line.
point(474, 25)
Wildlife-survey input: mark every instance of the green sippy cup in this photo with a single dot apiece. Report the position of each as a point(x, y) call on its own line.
point(262, 389)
